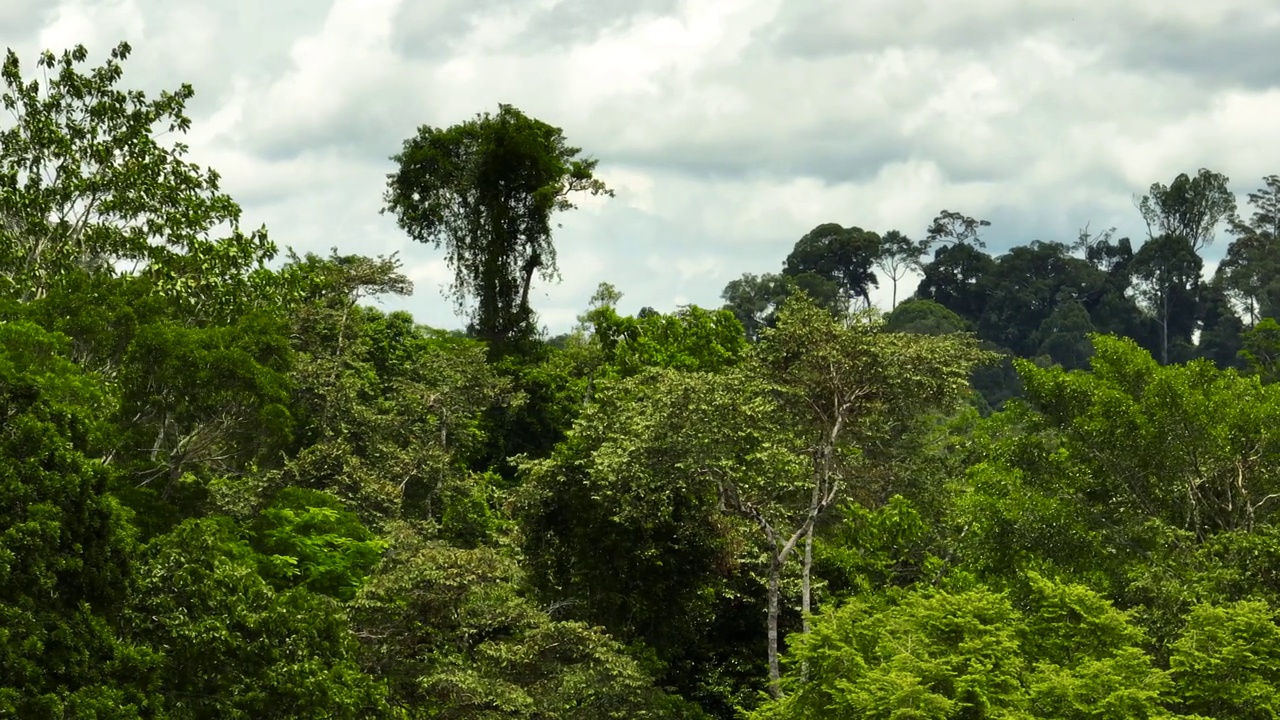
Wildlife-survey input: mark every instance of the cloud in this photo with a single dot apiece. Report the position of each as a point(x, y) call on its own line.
point(729, 128)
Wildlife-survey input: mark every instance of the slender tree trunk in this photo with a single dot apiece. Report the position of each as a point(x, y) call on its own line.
point(805, 584)
point(775, 591)
point(1164, 330)
point(806, 606)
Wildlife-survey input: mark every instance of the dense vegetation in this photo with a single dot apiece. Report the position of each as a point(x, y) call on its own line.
point(1043, 486)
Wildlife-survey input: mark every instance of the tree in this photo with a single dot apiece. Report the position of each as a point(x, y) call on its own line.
point(233, 647)
point(624, 526)
point(773, 442)
point(756, 299)
point(310, 539)
point(1168, 271)
point(1189, 208)
point(1087, 241)
point(86, 186)
point(842, 256)
point(1065, 653)
point(1221, 328)
point(954, 280)
point(898, 256)
point(847, 386)
point(1030, 283)
point(925, 317)
point(1266, 211)
point(691, 338)
point(1251, 269)
point(1190, 445)
point(452, 631)
point(197, 402)
point(66, 544)
point(951, 227)
point(1260, 350)
point(1064, 335)
point(1250, 272)
point(1226, 662)
point(486, 190)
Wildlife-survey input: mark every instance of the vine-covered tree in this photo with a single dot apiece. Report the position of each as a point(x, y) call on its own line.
point(486, 190)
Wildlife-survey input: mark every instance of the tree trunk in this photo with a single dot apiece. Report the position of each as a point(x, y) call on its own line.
point(805, 595)
point(775, 591)
point(1164, 330)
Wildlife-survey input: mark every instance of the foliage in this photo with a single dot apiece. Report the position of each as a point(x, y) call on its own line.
point(66, 545)
point(235, 648)
point(898, 256)
point(1065, 654)
point(1043, 486)
point(204, 401)
point(1261, 350)
point(450, 627)
point(837, 255)
point(486, 190)
point(956, 228)
point(1189, 208)
point(1227, 660)
point(309, 539)
point(84, 183)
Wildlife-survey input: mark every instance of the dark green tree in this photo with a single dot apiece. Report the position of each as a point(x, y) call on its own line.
point(953, 280)
point(841, 256)
point(1251, 269)
point(486, 190)
point(756, 299)
point(1189, 208)
point(1029, 284)
point(66, 544)
point(925, 317)
point(1064, 335)
point(1220, 327)
point(953, 228)
point(1167, 270)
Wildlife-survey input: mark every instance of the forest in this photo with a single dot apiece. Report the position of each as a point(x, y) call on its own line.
point(1042, 484)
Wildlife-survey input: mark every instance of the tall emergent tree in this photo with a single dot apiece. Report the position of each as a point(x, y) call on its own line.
point(1251, 269)
point(1189, 208)
point(898, 256)
point(840, 256)
point(953, 228)
point(486, 189)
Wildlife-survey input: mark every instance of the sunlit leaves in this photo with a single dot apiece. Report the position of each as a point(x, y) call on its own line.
point(87, 183)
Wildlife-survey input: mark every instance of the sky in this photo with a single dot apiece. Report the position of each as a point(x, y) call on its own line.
point(727, 128)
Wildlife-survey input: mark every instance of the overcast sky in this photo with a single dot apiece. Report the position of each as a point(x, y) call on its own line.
point(729, 128)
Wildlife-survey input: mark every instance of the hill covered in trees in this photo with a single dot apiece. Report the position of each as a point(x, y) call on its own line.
point(1043, 485)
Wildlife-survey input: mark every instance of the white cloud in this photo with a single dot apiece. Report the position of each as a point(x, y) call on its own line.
point(95, 25)
point(728, 128)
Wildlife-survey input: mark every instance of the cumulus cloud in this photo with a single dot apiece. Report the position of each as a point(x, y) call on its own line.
point(729, 128)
